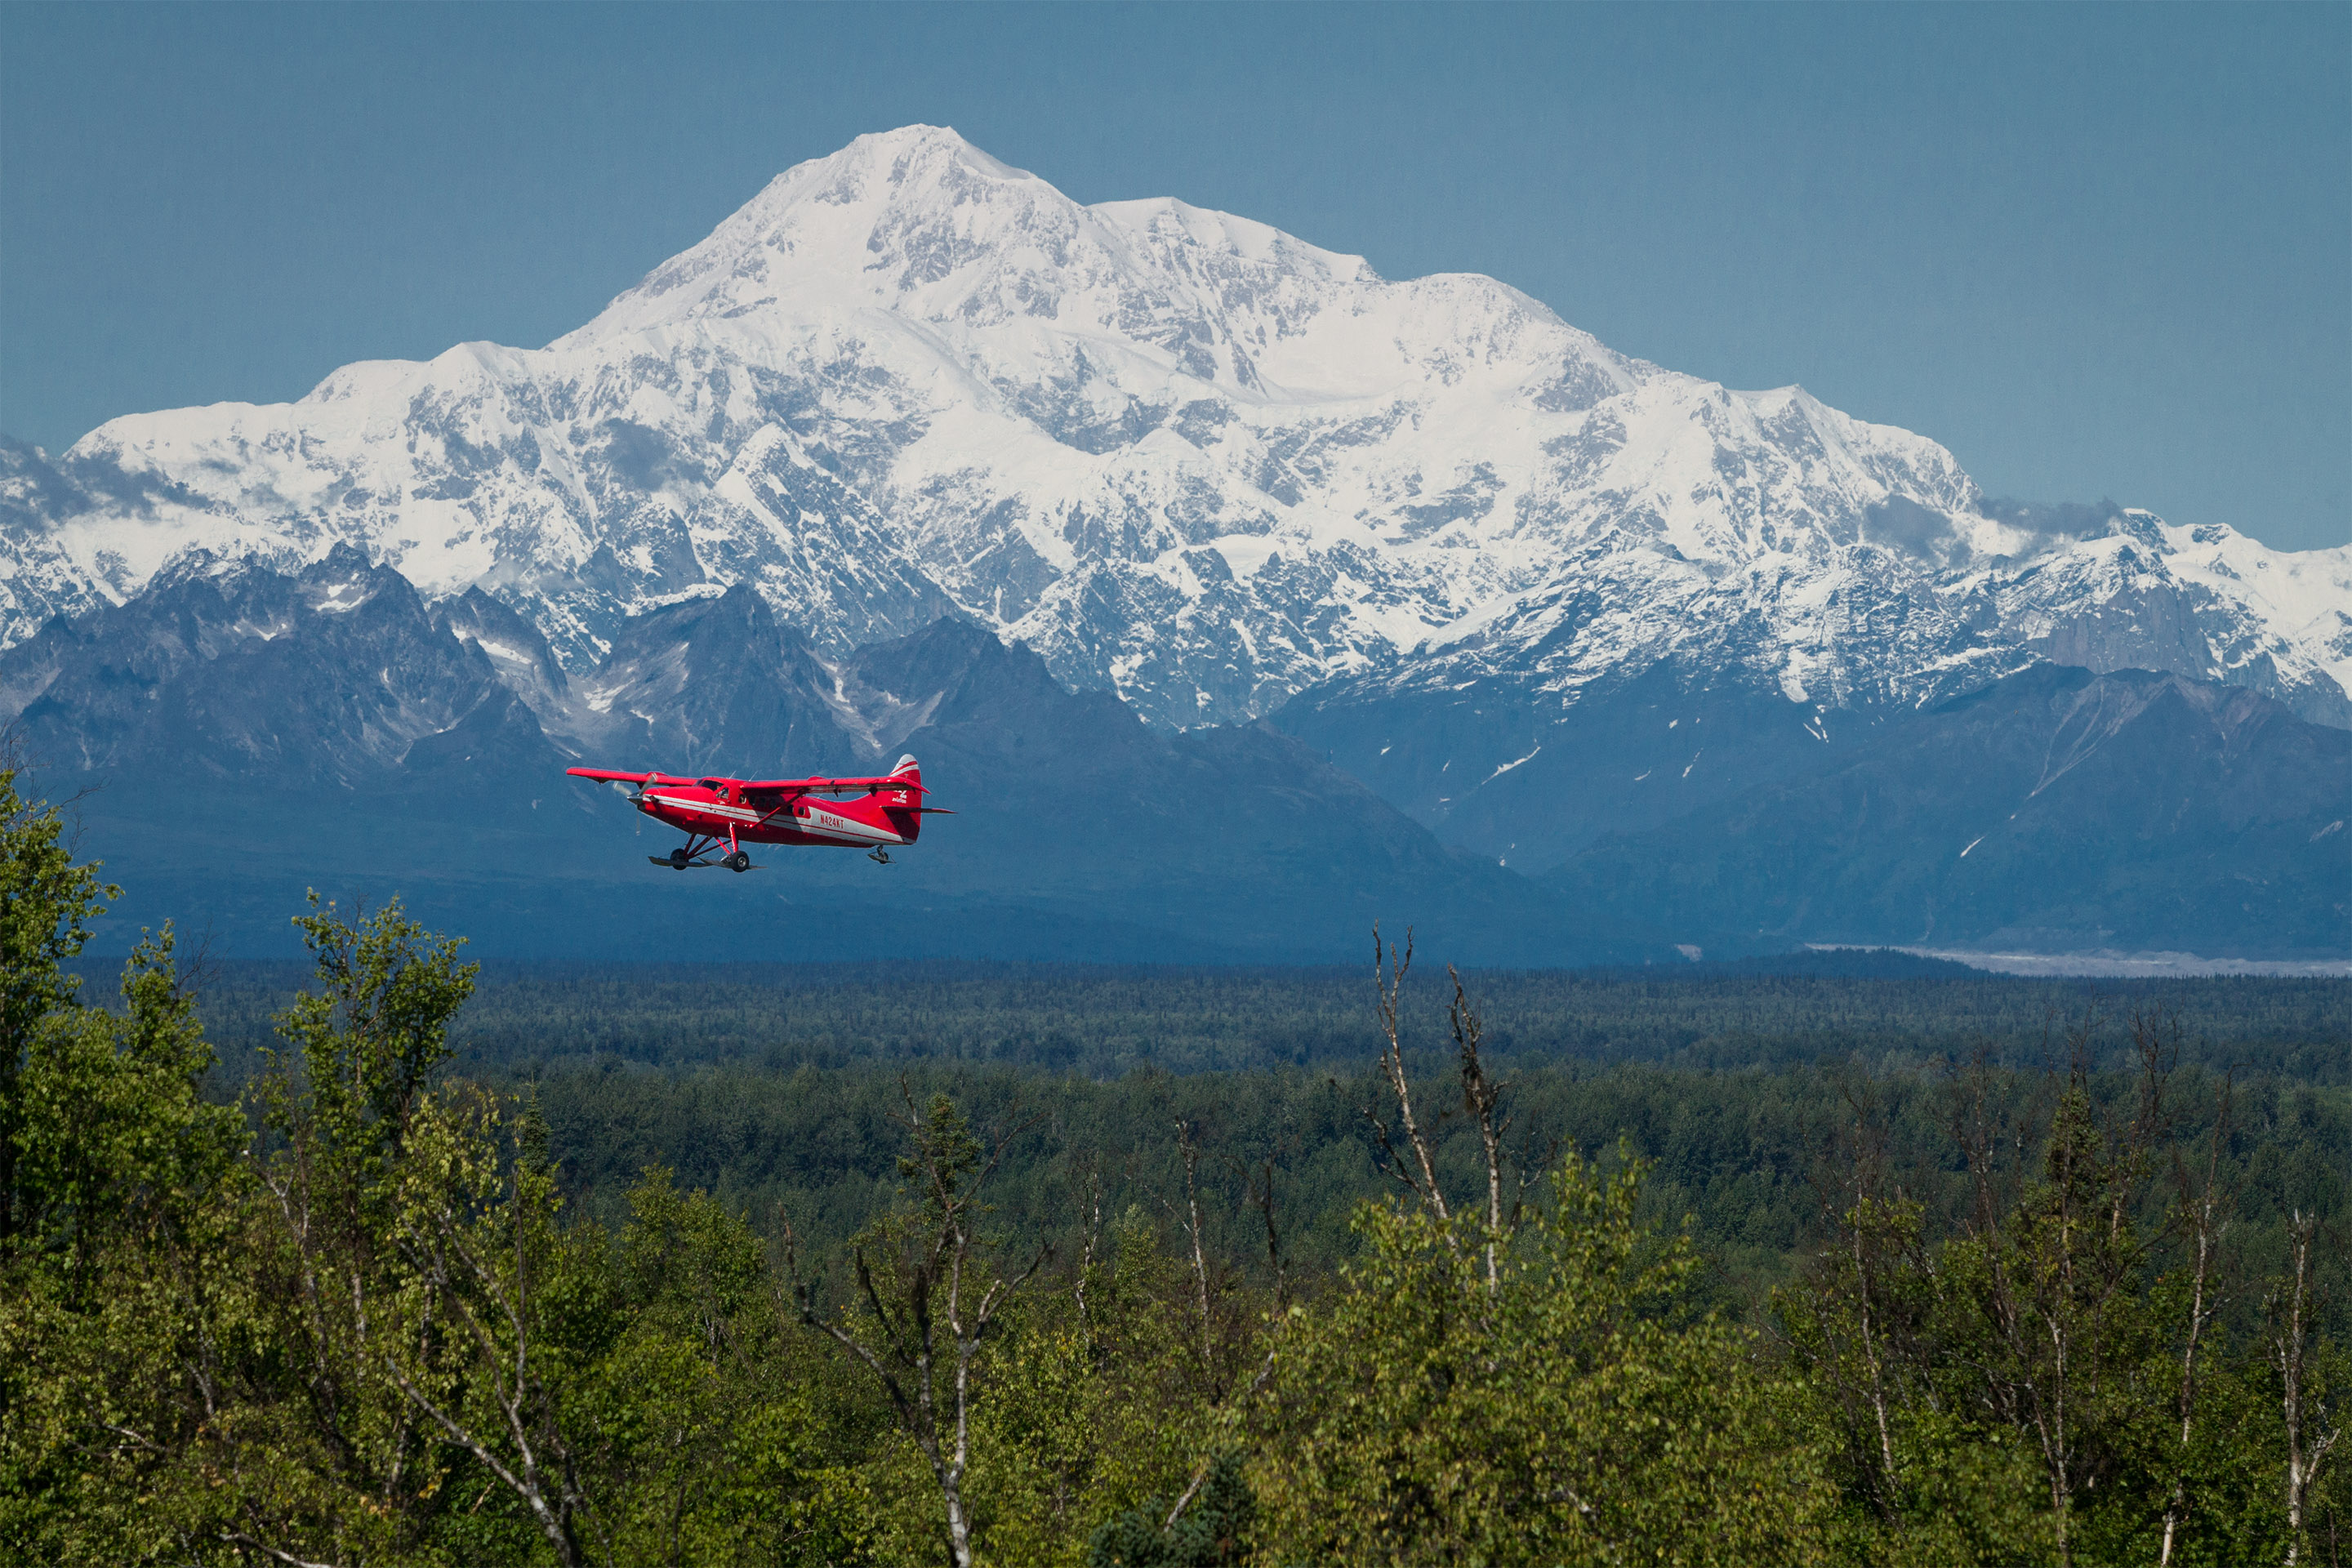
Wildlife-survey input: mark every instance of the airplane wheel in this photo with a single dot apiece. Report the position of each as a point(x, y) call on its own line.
point(740, 861)
point(678, 861)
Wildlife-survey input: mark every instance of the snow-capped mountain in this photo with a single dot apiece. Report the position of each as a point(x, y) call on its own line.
point(1179, 454)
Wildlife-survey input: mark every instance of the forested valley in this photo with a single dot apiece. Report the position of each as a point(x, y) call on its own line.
point(388, 1258)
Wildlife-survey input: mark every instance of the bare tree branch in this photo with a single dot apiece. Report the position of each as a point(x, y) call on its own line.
point(238, 1538)
point(1482, 1097)
point(1388, 970)
point(1190, 1493)
point(2205, 1204)
point(1191, 1155)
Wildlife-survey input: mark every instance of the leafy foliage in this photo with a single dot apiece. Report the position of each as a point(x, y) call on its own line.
point(1873, 1311)
point(1563, 1412)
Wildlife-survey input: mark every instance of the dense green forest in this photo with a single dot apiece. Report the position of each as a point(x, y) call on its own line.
point(1742, 1155)
point(1852, 1261)
point(1103, 1021)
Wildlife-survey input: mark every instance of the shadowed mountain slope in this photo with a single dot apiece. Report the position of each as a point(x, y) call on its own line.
point(2056, 810)
point(251, 735)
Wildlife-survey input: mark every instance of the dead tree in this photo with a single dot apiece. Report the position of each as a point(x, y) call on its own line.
point(2204, 1210)
point(1190, 1149)
point(1087, 1253)
point(1482, 1097)
point(940, 1302)
point(1419, 1178)
point(1871, 1232)
point(2293, 1306)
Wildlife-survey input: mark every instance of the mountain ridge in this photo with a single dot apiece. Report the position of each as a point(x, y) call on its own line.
point(334, 728)
point(1186, 457)
point(237, 736)
point(2017, 816)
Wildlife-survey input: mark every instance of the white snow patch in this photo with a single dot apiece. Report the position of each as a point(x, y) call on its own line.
point(2111, 962)
point(1506, 767)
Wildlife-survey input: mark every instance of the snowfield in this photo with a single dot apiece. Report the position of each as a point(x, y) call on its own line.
point(1182, 453)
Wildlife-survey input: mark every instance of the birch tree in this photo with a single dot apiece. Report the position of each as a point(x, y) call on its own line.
point(930, 1295)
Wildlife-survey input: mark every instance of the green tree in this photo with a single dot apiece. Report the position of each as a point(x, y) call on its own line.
point(2035, 1383)
point(313, 1450)
point(1098, 1400)
point(921, 1318)
point(706, 1409)
point(633, 1398)
point(1520, 1384)
point(47, 902)
point(1567, 1412)
point(1210, 1527)
point(115, 1176)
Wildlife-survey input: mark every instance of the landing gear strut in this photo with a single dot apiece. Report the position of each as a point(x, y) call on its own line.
point(694, 852)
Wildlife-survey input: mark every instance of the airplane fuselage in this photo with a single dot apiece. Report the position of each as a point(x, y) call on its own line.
point(720, 815)
point(722, 808)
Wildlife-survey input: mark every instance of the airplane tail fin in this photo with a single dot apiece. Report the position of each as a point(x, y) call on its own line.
point(904, 806)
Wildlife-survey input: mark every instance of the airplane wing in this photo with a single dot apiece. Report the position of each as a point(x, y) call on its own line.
point(760, 786)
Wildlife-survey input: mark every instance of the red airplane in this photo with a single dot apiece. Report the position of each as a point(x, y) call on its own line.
point(737, 812)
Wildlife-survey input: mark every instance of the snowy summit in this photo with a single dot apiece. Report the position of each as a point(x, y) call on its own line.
point(1180, 453)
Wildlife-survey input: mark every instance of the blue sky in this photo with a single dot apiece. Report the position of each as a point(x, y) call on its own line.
point(2095, 250)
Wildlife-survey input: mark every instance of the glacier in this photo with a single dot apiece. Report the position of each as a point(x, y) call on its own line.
point(1181, 455)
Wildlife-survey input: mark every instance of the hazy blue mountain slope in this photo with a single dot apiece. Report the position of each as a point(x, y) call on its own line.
point(717, 685)
point(2056, 810)
point(1529, 778)
point(253, 735)
point(1236, 835)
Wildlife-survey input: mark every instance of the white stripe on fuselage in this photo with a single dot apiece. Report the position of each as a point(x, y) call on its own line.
point(708, 807)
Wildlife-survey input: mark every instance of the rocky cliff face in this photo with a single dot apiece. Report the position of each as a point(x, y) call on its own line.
point(1183, 456)
point(332, 679)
